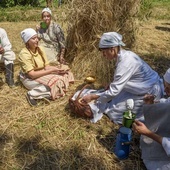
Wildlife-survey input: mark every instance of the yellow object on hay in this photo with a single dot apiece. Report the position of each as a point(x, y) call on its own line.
point(90, 79)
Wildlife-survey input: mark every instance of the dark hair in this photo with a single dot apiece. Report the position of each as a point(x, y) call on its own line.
point(100, 49)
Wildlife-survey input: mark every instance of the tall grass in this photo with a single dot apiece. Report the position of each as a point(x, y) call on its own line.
point(161, 7)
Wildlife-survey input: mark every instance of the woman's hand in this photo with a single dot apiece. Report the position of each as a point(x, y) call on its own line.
point(89, 97)
point(140, 128)
point(37, 28)
point(1, 50)
point(55, 70)
point(149, 99)
point(47, 70)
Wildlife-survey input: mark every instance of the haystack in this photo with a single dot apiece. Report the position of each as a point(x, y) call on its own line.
point(87, 21)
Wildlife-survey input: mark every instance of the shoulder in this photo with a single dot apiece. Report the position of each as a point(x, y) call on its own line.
point(128, 53)
point(129, 59)
point(55, 25)
point(24, 53)
point(24, 50)
point(2, 31)
point(41, 47)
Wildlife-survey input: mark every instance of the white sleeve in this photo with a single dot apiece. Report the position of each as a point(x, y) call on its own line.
point(163, 100)
point(122, 75)
point(166, 145)
point(5, 41)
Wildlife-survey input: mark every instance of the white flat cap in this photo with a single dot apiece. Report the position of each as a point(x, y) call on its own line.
point(111, 39)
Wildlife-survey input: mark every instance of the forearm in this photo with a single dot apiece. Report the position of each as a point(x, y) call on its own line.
point(154, 136)
point(39, 73)
point(94, 96)
point(89, 97)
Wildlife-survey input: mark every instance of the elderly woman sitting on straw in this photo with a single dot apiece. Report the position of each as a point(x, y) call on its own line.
point(132, 79)
point(52, 38)
point(42, 80)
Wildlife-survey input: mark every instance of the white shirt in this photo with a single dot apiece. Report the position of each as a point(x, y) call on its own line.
point(160, 165)
point(4, 40)
point(166, 145)
point(163, 100)
point(132, 75)
point(8, 56)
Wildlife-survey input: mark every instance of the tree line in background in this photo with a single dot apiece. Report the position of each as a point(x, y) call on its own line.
point(11, 3)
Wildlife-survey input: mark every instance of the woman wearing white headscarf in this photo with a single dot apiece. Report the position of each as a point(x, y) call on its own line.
point(132, 79)
point(52, 38)
point(41, 79)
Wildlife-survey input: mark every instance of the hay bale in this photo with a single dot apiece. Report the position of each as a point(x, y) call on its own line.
point(87, 21)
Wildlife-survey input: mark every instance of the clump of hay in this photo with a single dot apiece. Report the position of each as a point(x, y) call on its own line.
point(87, 21)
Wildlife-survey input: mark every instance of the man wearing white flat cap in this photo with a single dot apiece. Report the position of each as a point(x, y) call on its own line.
point(132, 79)
point(7, 56)
point(155, 136)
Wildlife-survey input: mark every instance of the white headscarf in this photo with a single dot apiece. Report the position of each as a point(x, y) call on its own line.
point(47, 10)
point(27, 34)
point(167, 76)
point(111, 39)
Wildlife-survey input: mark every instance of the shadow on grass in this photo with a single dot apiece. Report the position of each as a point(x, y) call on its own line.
point(158, 62)
point(163, 28)
point(4, 138)
point(31, 155)
point(166, 23)
point(109, 142)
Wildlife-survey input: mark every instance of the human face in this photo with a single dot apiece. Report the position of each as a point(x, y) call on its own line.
point(46, 17)
point(33, 43)
point(167, 88)
point(109, 53)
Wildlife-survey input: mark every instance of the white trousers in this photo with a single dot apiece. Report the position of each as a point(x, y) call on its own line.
point(36, 89)
point(7, 58)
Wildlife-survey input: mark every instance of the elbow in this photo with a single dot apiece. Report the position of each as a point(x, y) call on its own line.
point(32, 76)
